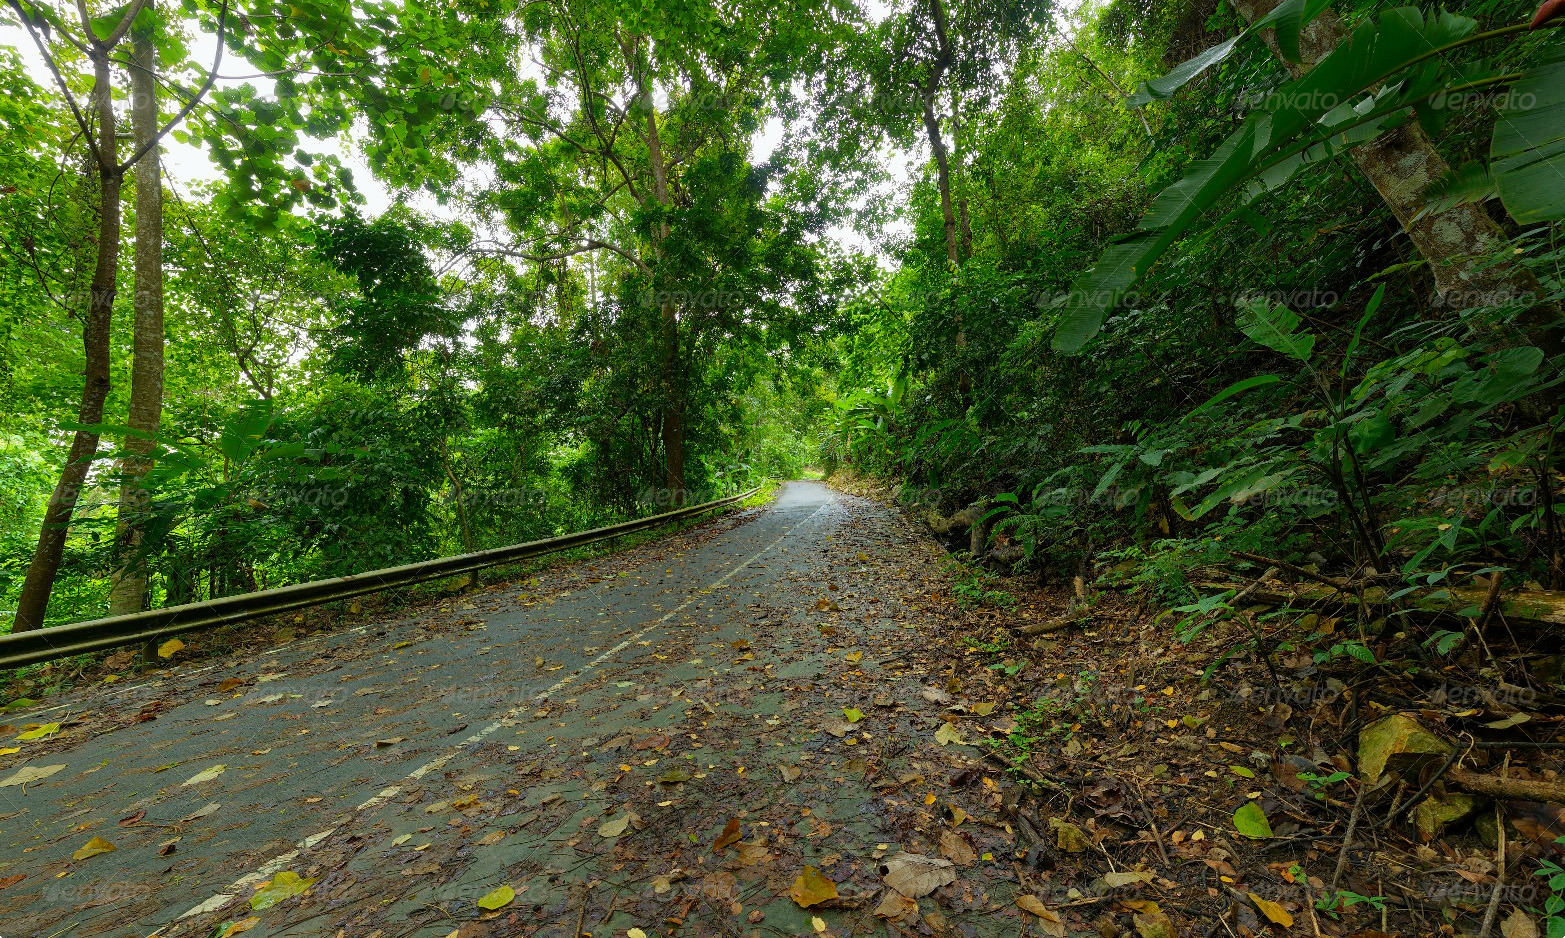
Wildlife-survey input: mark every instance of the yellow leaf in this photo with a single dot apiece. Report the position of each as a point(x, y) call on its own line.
point(243, 925)
point(47, 729)
point(853, 715)
point(92, 848)
point(284, 885)
point(635, 933)
point(983, 709)
point(1049, 921)
point(206, 776)
point(170, 648)
point(948, 733)
point(6, 752)
point(1272, 911)
point(498, 899)
point(617, 826)
point(812, 888)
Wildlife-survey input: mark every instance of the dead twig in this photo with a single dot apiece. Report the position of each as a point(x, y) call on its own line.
point(1347, 840)
point(1499, 872)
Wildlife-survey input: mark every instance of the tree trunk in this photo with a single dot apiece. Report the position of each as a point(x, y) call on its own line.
point(129, 590)
point(1460, 243)
point(33, 603)
point(956, 233)
point(931, 90)
point(673, 423)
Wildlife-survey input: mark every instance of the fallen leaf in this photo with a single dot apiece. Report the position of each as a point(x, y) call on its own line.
point(983, 709)
point(46, 729)
point(1252, 822)
point(956, 848)
point(1272, 911)
point(205, 776)
point(497, 899)
point(635, 933)
point(243, 925)
point(203, 812)
point(6, 882)
point(729, 836)
point(895, 906)
point(812, 888)
point(1117, 880)
point(92, 848)
point(853, 715)
point(29, 774)
point(284, 885)
point(916, 876)
point(1048, 920)
point(170, 648)
point(789, 773)
point(7, 751)
point(617, 826)
point(948, 733)
point(491, 838)
point(1519, 925)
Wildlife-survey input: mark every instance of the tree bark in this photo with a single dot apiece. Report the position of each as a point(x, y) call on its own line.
point(1460, 243)
point(930, 90)
point(672, 430)
point(33, 603)
point(128, 592)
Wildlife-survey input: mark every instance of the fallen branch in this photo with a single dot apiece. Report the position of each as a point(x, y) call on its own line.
point(1053, 625)
point(1513, 789)
point(1294, 569)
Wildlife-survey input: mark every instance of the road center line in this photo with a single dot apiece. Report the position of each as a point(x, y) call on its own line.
point(271, 867)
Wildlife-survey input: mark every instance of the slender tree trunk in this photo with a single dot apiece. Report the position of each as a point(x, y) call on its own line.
point(1460, 243)
point(673, 423)
point(129, 590)
point(33, 603)
point(954, 230)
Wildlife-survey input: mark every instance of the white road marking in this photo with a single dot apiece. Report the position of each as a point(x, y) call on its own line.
point(271, 867)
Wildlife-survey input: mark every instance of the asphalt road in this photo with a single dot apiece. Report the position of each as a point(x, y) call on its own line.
point(580, 743)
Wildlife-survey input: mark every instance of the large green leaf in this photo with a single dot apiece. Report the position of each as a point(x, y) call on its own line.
point(1276, 327)
point(1289, 17)
point(1528, 147)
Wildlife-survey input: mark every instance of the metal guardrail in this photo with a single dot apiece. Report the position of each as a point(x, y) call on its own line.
point(61, 641)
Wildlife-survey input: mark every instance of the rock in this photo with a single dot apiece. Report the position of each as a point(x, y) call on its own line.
point(1397, 742)
point(1068, 837)
point(1155, 925)
point(1434, 814)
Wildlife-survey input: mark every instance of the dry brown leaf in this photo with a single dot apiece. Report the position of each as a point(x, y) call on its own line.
point(1049, 921)
point(916, 876)
point(956, 848)
point(730, 835)
point(812, 888)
